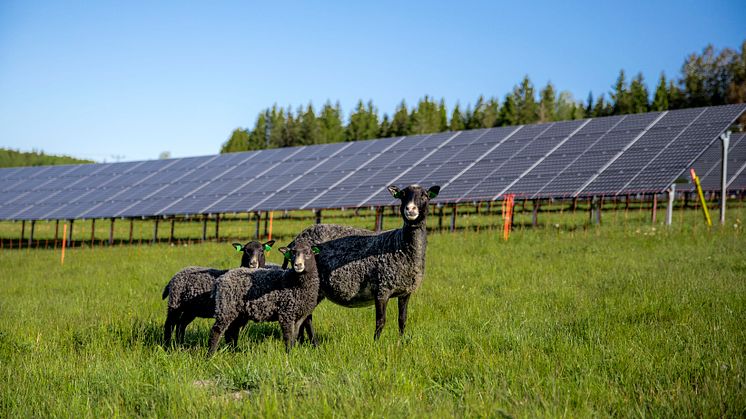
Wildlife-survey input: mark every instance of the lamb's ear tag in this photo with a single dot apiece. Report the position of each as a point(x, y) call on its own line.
point(315, 250)
point(288, 255)
point(238, 247)
point(433, 191)
point(267, 248)
point(431, 194)
point(399, 195)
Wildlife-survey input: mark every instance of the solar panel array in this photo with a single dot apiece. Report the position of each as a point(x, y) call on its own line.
point(600, 156)
point(708, 167)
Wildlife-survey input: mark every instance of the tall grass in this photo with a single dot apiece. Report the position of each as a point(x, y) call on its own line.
point(610, 321)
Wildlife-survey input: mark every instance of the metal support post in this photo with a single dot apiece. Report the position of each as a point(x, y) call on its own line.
point(258, 216)
point(93, 231)
point(654, 216)
point(669, 207)
point(453, 218)
point(171, 235)
point(31, 233)
point(23, 233)
point(155, 231)
point(70, 234)
point(318, 216)
point(535, 213)
point(204, 227)
point(217, 227)
point(111, 232)
point(725, 142)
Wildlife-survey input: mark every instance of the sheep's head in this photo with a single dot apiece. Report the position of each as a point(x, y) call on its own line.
point(253, 253)
point(300, 256)
point(414, 201)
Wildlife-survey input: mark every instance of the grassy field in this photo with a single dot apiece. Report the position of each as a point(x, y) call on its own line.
point(621, 320)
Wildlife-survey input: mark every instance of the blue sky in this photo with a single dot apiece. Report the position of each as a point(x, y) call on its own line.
point(129, 80)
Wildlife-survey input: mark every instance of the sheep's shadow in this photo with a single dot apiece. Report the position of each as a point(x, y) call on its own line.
point(149, 333)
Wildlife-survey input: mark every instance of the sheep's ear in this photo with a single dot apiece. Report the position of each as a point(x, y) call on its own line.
point(395, 192)
point(285, 252)
point(315, 250)
point(268, 245)
point(238, 246)
point(433, 191)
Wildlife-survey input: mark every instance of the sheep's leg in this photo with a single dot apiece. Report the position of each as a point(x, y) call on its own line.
point(380, 316)
point(215, 334)
point(289, 331)
point(172, 318)
point(307, 326)
point(186, 318)
point(402, 302)
point(231, 335)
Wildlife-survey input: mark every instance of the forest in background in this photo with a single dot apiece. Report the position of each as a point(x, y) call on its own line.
point(707, 79)
point(15, 158)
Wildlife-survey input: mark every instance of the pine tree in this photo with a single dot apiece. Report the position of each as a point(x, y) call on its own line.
point(602, 108)
point(676, 98)
point(331, 129)
point(425, 117)
point(290, 131)
point(400, 122)
point(547, 104)
point(384, 130)
point(737, 86)
point(475, 117)
point(238, 141)
point(567, 109)
point(258, 135)
point(276, 127)
point(310, 131)
point(457, 120)
point(490, 113)
point(527, 110)
point(621, 96)
point(589, 105)
point(442, 116)
point(363, 122)
point(660, 101)
point(638, 94)
point(507, 115)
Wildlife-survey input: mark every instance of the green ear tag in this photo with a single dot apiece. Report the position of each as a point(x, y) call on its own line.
point(315, 250)
point(267, 248)
point(432, 194)
point(398, 195)
point(238, 247)
point(288, 255)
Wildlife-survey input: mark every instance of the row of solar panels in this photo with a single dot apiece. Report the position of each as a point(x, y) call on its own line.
point(599, 156)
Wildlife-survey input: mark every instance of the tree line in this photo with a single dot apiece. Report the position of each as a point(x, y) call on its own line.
point(707, 79)
point(15, 158)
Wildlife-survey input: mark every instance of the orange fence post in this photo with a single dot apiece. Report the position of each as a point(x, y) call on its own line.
point(64, 242)
point(269, 235)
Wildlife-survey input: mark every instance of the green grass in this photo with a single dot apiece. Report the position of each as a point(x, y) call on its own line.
point(622, 320)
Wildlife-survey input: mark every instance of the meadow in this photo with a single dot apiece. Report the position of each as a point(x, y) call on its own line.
point(625, 319)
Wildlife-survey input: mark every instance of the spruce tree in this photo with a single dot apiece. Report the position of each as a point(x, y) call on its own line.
point(331, 129)
point(638, 94)
point(602, 108)
point(457, 120)
point(238, 141)
point(363, 123)
point(310, 131)
point(384, 130)
point(527, 110)
point(442, 116)
point(621, 96)
point(425, 117)
point(589, 105)
point(400, 122)
point(547, 104)
point(660, 101)
point(567, 109)
point(507, 115)
point(737, 85)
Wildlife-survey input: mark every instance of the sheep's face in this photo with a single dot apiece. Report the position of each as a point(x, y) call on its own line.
point(253, 253)
point(414, 201)
point(300, 256)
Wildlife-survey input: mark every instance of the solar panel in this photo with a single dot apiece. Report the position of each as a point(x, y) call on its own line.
point(612, 155)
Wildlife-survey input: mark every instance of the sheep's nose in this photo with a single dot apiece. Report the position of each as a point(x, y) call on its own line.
point(298, 267)
point(411, 207)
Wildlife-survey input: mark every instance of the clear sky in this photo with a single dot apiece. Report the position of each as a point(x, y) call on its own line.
point(128, 79)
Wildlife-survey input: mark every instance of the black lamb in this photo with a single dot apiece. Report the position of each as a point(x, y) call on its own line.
point(262, 295)
point(190, 290)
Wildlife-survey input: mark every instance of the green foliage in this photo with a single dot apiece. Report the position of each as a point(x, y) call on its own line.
point(638, 95)
point(660, 101)
point(547, 104)
point(586, 323)
point(710, 78)
point(363, 122)
point(15, 158)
